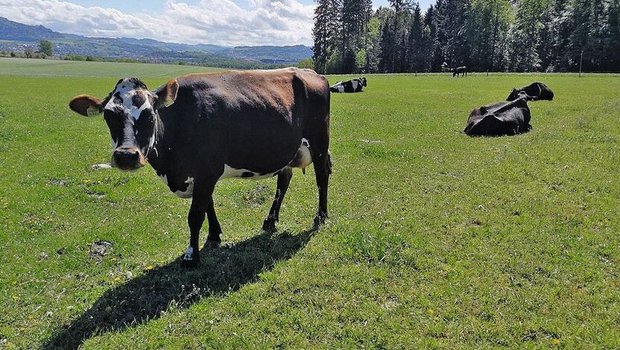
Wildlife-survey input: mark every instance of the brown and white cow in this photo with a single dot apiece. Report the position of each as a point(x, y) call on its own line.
point(201, 128)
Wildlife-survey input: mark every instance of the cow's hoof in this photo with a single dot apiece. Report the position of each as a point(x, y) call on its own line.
point(319, 220)
point(191, 258)
point(269, 225)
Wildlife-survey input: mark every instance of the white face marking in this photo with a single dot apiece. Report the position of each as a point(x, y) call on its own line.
point(127, 92)
point(189, 191)
point(188, 253)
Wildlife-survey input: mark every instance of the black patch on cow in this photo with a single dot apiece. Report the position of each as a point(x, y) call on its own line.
point(117, 98)
point(137, 84)
point(138, 99)
point(145, 114)
point(247, 174)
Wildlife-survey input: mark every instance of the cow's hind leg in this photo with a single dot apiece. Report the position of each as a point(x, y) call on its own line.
point(322, 169)
point(215, 230)
point(284, 179)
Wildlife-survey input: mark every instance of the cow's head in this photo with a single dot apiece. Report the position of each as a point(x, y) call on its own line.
point(514, 94)
point(131, 112)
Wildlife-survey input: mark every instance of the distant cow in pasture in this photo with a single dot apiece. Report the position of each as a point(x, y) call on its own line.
point(535, 91)
point(503, 118)
point(198, 129)
point(353, 85)
point(459, 71)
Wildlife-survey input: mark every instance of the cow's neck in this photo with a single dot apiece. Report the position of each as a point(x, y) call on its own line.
point(161, 147)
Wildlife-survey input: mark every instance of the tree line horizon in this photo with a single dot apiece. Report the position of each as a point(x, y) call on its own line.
point(484, 35)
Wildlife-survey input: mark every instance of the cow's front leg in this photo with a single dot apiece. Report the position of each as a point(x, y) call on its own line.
point(195, 218)
point(202, 201)
point(284, 179)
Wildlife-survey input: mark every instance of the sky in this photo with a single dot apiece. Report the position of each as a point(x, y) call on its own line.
point(219, 22)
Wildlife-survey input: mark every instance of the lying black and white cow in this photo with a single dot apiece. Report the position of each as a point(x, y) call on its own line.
point(353, 85)
point(201, 128)
point(503, 118)
point(459, 71)
point(507, 118)
point(535, 91)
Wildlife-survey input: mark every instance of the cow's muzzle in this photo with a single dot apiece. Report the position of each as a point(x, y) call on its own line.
point(128, 158)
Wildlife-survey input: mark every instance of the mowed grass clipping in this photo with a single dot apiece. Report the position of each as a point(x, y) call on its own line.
point(435, 239)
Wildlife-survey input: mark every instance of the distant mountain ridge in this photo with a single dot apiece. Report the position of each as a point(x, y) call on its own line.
point(15, 31)
point(16, 36)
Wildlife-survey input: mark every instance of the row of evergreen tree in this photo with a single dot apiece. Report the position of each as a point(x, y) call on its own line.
point(485, 35)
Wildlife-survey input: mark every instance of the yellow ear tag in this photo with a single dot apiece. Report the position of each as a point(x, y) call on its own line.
point(168, 102)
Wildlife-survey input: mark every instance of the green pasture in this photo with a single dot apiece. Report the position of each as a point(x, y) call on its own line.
point(435, 239)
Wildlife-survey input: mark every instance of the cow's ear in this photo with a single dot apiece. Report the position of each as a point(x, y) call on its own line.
point(86, 105)
point(166, 94)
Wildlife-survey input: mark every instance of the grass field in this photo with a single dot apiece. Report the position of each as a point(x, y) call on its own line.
point(435, 239)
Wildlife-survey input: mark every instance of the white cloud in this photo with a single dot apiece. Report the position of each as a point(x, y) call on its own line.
point(222, 22)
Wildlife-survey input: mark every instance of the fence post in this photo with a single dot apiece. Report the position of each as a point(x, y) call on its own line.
point(580, 63)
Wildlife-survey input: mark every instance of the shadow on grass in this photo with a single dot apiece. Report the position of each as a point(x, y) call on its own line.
point(147, 297)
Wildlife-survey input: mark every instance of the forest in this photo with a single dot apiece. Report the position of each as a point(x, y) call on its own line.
point(484, 35)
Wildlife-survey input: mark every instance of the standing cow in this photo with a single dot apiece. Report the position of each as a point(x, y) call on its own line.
point(459, 71)
point(201, 128)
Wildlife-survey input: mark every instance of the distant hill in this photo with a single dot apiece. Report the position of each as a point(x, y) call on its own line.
point(16, 36)
point(14, 31)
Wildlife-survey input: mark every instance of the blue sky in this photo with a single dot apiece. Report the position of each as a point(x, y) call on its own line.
point(154, 5)
point(220, 22)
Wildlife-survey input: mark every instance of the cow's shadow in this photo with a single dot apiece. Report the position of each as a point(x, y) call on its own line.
point(150, 295)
